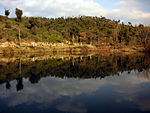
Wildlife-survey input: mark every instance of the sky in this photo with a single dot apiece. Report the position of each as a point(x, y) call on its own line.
point(128, 88)
point(134, 11)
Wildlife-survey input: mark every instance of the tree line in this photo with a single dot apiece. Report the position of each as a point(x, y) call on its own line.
point(85, 29)
point(79, 68)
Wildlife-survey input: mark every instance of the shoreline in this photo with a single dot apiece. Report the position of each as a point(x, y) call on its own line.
point(44, 47)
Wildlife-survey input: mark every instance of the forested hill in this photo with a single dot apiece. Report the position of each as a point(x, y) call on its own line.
point(85, 29)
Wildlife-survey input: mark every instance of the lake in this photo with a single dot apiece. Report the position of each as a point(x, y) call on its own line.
point(101, 83)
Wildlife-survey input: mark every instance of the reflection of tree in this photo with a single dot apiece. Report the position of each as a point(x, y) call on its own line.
point(19, 85)
point(34, 75)
point(34, 78)
point(82, 67)
point(8, 85)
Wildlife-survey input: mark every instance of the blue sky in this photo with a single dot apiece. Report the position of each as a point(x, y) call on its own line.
point(135, 11)
point(111, 4)
point(108, 4)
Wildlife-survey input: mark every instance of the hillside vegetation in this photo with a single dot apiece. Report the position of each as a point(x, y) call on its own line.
point(82, 29)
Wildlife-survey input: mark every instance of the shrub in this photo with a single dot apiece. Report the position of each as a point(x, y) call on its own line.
point(27, 25)
point(34, 30)
point(8, 24)
point(1, 18)
point(147, 47)
point(10, 39)
point(24, 33)
point(7, 51)
point(1, 34)
point(35, 22)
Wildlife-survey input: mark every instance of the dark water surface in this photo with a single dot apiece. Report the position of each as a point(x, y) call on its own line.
point(75, 84)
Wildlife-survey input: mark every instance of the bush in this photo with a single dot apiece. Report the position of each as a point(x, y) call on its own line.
point(24, 33)
point(44, 36)
point(147, 47)
point(10, 39)
point(1, 34)
point(35, 22)
point(15, 29)
point(36, 39)
point(8, 51)
point(34, 30)
point(27, 25)
point(1, 18)
point(8, 24)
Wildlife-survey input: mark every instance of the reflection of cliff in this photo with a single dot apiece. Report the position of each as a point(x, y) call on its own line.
point(81, 67)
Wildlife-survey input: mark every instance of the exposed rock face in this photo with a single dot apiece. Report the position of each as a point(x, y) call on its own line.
point(8, 44)
point(39, 44)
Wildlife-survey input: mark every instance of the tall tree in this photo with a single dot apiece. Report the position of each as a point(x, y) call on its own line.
point(7, 12)
point(19, 13)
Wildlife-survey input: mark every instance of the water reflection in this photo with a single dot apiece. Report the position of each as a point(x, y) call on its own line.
point(79, 84)
point(80, 67)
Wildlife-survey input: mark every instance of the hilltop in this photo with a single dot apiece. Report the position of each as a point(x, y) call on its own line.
point(94, 31)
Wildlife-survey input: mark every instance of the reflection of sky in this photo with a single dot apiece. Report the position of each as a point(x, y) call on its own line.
point(69, 93)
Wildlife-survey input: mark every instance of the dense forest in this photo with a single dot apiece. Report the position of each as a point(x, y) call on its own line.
point(85, 29)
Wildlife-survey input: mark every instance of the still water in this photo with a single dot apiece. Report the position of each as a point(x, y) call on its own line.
point(75, 84)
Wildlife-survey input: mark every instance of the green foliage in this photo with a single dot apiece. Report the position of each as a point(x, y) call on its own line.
point(1, 18)
point(55, 38)
point(7, 12)
point(1, 34)
point(8, 50)
point(35, 22)
point(27, 25)
point(34, 30)
point(85, 29)
point(8, 24)
point(24, 33)
point(19, 13)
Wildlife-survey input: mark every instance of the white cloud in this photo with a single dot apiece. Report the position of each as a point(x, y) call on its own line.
point(55, 7)
point(50, 89)
point(130, 10)
point(133, 15)
point(126, 10)
point(129, 3)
